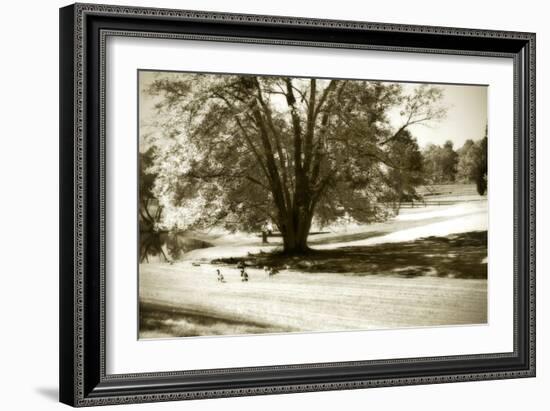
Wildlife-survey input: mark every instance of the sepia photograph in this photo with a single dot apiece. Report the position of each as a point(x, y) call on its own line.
point(277, 204)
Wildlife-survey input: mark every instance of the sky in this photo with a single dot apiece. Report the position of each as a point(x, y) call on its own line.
point(466, 116)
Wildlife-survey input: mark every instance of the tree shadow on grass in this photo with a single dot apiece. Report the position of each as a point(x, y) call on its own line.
point(156, 320)
point(455, 256)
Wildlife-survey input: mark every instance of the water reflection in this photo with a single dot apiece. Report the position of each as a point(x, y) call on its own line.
point(167, 246)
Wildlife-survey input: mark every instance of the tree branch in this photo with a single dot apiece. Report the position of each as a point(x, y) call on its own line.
point(310, 124)
point(297, 128)
point(324, 97)
point(277, 139)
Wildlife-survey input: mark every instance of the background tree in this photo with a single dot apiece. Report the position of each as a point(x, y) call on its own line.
point(149, 210)
point(480, 171)
point(440, 163)
point(466, 159)
point(472, 165)
point(239, 149)
point(407, 169)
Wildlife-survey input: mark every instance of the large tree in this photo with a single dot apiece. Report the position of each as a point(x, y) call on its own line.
point(238, 149)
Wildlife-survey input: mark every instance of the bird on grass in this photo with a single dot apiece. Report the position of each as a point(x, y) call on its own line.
point(270, 271)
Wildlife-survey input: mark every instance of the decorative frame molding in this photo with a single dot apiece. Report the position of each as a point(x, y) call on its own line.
point(83, 32)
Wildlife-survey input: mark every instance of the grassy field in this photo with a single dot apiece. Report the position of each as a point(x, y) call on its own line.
point(184, 300)
point(425, 267)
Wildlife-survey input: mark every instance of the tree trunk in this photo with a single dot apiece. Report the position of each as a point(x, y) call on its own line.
point(296, 232)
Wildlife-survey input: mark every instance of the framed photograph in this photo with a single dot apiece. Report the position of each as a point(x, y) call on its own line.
point(260, 204)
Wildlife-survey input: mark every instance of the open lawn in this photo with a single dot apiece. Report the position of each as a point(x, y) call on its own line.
point(185, 300)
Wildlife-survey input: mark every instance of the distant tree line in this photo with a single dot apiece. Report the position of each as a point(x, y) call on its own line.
point(443, 164)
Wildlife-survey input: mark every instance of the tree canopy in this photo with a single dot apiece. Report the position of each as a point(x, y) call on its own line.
point(440, 163)
point(236, 150)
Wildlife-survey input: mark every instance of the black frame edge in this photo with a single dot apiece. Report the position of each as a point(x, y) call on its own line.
point(66, 203)
point(529, 134)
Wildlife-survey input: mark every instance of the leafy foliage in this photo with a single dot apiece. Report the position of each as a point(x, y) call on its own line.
point(472, 165)
point(149, 210)
point(407, 170)
point(440, 163)
point(234, 150)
